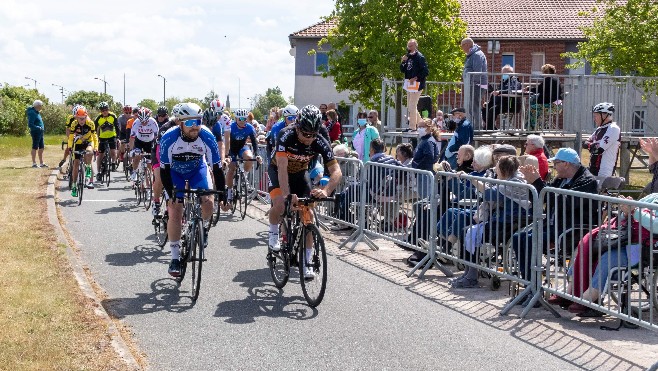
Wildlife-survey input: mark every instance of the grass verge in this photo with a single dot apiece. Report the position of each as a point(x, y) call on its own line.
point(47, 323)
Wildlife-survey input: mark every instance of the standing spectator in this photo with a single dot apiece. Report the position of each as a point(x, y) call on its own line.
point(498, 104)
point(334, 107)
point(547, 92)
point(476, 61)
point(363, 136)
point(427, 154)
point(333, 126)
point(373, 120)
point(415, 72)
point(35, 124)
point(463, 134)
point(534, 145)
point(603, 144)
point(273, 118)
point(323, 111)
point(650, 146)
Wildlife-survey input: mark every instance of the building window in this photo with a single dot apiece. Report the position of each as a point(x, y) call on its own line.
point(321, 62)
point(638, 121)
point(508, 59)
point(537, 62)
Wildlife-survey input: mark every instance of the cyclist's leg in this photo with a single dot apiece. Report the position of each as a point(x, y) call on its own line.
point(89, 168)
point(202, 180)
point(246, 154)
point(157, 182)
point(276, 211)
point(99, 158)
point(76, 163)
point(229, 175)
point(175, 208)
point(113, 149)
point(301, 186)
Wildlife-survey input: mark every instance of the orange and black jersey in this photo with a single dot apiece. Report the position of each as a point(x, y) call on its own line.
point(300, 155)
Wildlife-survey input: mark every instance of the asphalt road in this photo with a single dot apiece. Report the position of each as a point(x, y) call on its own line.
point(241, 321)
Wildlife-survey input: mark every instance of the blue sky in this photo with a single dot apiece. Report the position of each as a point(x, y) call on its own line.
point(196, 45)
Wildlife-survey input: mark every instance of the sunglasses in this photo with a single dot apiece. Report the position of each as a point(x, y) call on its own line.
point(242, 119)
point(291, 118)
point(192, 123)
point(308, 135)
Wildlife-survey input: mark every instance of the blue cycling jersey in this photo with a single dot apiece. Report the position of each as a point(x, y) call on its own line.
point(239, 137)
point(185, 156)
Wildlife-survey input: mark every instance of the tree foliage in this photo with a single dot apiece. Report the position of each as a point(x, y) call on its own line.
point(622, 38)
point(91, 99)
point(14, 100)
point(273, 97)
point(372, 36)
point(209, 98)
point(149, 103)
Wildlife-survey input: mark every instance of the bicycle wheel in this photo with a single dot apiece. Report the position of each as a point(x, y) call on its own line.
point(244, 195)
point(313, 288)
point(147, 187)
point(81, 181)
point(160, 227)
point(234, 201)
point(69, 171)
point(126, 173)
point(108, 163)
point(138, 189)
point(279, 264)
point(196, 257)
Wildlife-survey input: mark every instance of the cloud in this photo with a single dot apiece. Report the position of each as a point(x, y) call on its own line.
point(265, 23)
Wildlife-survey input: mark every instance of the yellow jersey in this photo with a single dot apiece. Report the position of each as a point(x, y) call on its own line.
point(107, 127)
point(86, 131)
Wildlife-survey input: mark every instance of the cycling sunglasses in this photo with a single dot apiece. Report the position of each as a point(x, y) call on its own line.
point(291, 118)
point(192, 122)
point(242, 119)
point(308, 135)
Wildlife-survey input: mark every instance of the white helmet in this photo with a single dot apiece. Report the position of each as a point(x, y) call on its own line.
point(241, 112)
point(290, 110)
point(187, 110)
point(224, 119)
point(216, 105)
point(604, 107)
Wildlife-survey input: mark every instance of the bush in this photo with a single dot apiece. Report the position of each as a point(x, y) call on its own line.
point(14, 100)
point(55, 118)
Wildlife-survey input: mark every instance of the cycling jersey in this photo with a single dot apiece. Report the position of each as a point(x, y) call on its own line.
point(218, 132)
point(300, 155)
point(108, 126)
point(69, 121)
point(604, 148)
point(144, 132)
point(86, 132)
point(163, 129)
point(129, 124)
point(239, 137)
point(187, 156)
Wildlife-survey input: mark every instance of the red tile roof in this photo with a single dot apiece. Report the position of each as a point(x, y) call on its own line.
point(506, 19)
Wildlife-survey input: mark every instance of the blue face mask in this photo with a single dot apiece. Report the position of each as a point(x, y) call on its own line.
point(505, 77)
point(361, 122)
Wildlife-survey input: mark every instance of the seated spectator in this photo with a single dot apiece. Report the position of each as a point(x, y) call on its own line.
point(362, 137)
point(404, 153)
point(333, 126)
point(500, 150)
point(463, 134)
point(563, 211)
point(528, 160)
point(426, 155)
point(546, 93)
point(381, 181)
point(502, 207)
point(650, 146)
point(534, 145)
point(497, 104)
point(604, 143)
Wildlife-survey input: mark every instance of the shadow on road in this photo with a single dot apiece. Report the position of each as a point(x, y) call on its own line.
point(250, 242)
point(140, 254)
point(165, 296)
point(264, 300)
point(125, 205)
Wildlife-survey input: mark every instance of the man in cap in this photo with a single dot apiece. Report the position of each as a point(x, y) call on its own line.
point(463, 134)
point(563, 211)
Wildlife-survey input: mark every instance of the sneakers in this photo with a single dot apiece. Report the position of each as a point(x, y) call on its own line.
point(273, 242)
point(308, 273)
point(61, 163)
point(90, 184)
point(156, 209)
point(133, 176)
point(466, 283)
point(174, 268)
point(74, 192)
point(43, 166)
point(35, 166)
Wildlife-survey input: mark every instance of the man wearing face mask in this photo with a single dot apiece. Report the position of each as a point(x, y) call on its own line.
point(463, 134)
point(497, 104)
point(362, 137)
point(415, 71)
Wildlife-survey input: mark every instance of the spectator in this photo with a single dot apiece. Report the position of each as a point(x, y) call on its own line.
point(379, 185)
point(476, 61)
point(323, 110)
point(563, 211)
point(426, 155)
point(547, 92)
point(498, 104)
point(603, 144)
point(404, 153)
point(534, 145)
point(363, 136)
point(334, 107)
point(463, 134)
point(373, 120)
point(35, 124)
point(439, 122)
point(273, 118)
point(465, 157)
point(333, 126)
point(415, 72)
point(650, 147)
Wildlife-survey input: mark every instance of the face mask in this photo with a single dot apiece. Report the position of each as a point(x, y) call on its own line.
point(362, 122)
point(505, 77)
point(422, 132)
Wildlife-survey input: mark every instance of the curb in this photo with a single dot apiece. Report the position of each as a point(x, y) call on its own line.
point(117, 341)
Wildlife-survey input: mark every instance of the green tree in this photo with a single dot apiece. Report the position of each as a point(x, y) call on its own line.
point(55, 118)
point(149, 103)
point(14, 100)
point(209, 98)
point(194, 100)
point(622, 38)
point(371, 37)
point(89, 99)
point(273, 97)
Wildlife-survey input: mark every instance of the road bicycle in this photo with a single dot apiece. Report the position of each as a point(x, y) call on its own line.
point(106, 165)
point(144, 182)
point(241, 190)
point(193, 237)
point(296, 230)
point(127, 162)
point(80, 181)
point(160, 223)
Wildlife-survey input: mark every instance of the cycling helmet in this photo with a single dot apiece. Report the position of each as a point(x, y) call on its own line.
point(290, 110)
point(162, 110)
point(604, 107)
point(75, 109)
point(144, 114)
point(224, 119)
point(135, 110)
point(127, 109)
point(80, 111)
point(309, 119)
point(103, 106)
point(187, 110)
point(241, 112)
point(216, 105)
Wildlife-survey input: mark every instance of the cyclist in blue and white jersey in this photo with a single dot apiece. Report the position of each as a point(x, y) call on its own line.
point(187, 152)
point(239, 133)
point(142, 137)
point(289, 118)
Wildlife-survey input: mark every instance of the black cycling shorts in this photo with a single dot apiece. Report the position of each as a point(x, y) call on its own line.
point(110, 141)
point(144, 146)
point(81, 147)
point(299, 183)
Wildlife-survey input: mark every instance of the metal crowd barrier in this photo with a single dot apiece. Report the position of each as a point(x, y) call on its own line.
point(612, 276)
point(259, 178)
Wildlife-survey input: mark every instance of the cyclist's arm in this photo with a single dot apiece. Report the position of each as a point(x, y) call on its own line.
point(133, 132)
point(282, 169)
point(220, 147)
point(71, 135)
point(94, 139)
point(165, 177)
point(335, 175)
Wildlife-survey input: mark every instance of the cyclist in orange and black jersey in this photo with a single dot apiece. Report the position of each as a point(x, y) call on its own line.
point(82, 137)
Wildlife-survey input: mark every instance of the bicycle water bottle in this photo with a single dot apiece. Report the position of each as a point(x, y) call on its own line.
point(324, 181)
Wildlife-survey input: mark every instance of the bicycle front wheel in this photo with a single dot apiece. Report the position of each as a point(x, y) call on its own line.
point(160, 226)
point(147, 187)
point(81, 181)
point(279, 264)
point(244, 195)
point(315, 284)
point(107, 165)
point(197, 257)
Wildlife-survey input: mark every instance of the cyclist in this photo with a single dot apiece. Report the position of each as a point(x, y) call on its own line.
point(289, 118)
point(212, 113)
point(85, 131)
point(165, 124)
point(142, 136)
point(185, 154)
point(239, 133)
point(107, 126)
point(124, 131)
point(295, 147)
point(69, 121)
point(604, 143)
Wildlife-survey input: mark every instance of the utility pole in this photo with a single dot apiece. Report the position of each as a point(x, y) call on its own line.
point(105, 84)
point(164, 89)
point(35, 82)
point(61, 90)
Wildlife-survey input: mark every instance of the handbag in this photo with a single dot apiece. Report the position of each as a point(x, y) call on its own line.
point(609, 237)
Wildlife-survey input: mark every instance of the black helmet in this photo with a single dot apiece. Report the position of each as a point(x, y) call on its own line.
point(162, 110)
point(103, 105)
point(309, 119)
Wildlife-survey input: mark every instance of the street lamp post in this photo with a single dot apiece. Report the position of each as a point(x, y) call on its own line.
point(164, 90)
point(61, 90)
point(105, 84)
point(35, 82)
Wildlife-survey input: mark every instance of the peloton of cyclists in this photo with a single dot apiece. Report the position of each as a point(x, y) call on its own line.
point(237, 148)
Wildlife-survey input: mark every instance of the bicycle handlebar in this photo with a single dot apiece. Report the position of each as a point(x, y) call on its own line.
point(309, 200)
point(199, 192)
